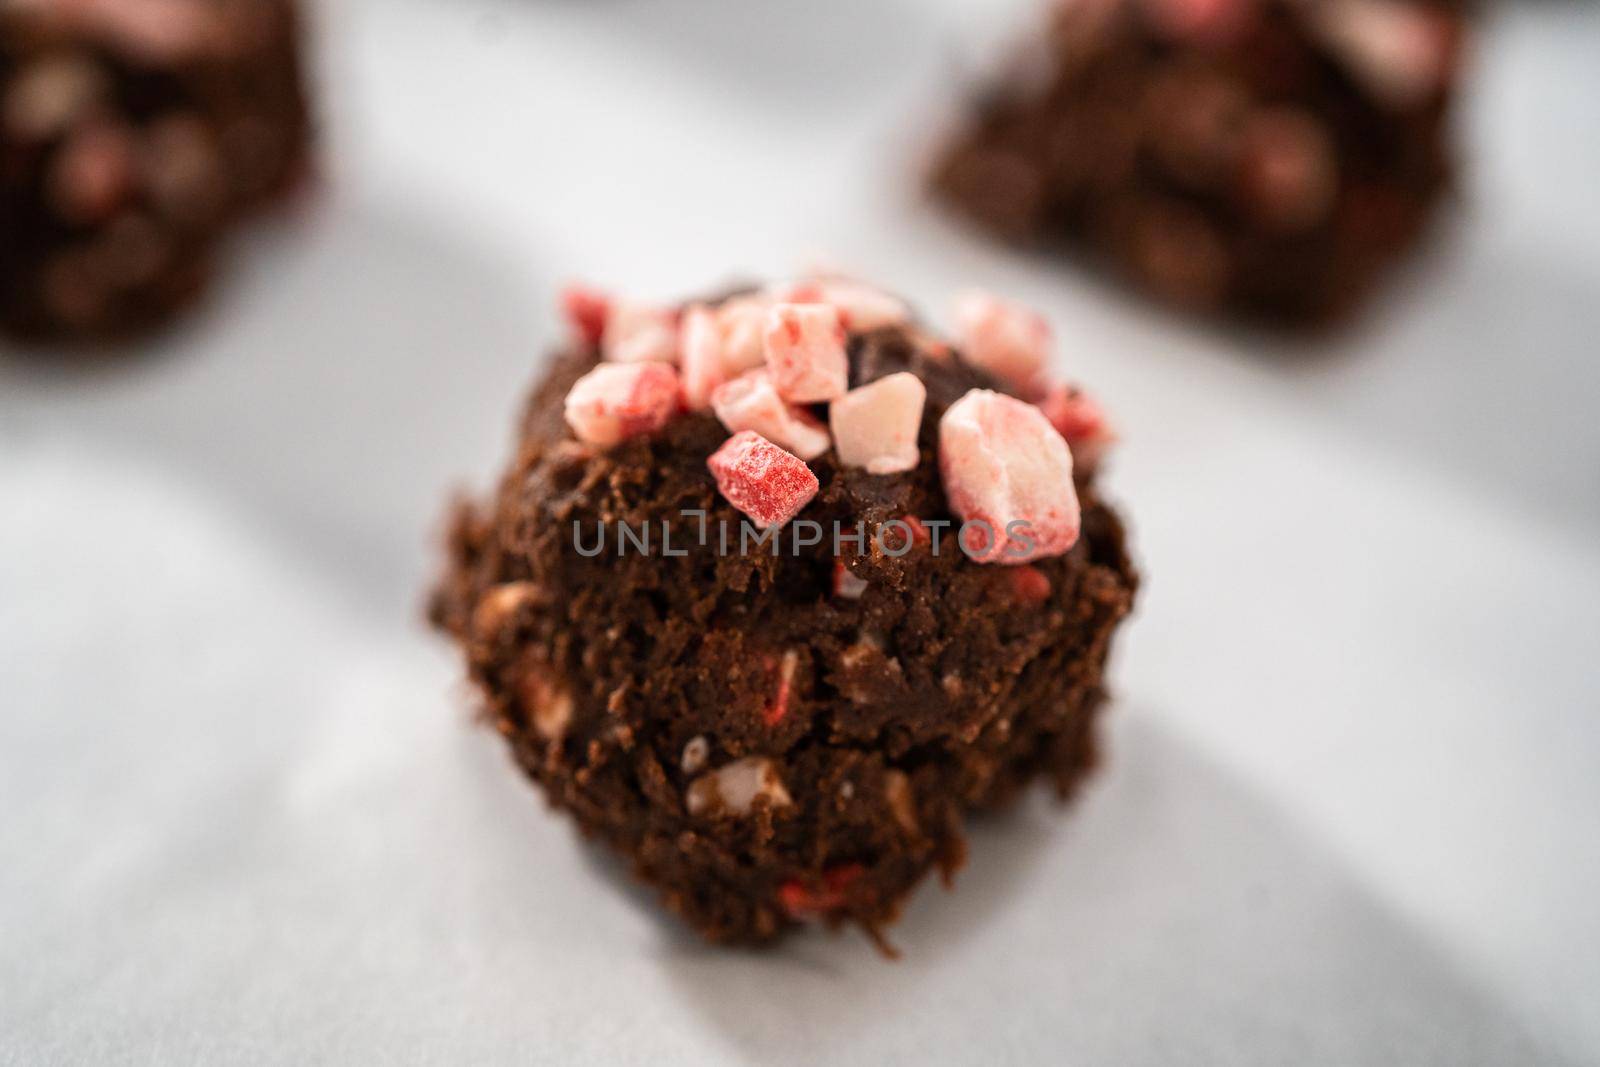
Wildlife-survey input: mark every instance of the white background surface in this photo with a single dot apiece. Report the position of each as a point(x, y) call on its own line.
point(1349, 815)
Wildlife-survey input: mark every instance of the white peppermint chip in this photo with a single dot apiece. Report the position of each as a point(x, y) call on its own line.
point(736, 787)
point(875, 427)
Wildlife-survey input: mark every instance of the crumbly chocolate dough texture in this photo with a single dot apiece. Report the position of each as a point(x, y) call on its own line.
point(765, 751)
point(1265, 160)
point(134, 135)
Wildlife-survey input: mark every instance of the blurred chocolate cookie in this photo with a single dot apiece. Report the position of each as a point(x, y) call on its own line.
point(1261, 158)
point(133, 135)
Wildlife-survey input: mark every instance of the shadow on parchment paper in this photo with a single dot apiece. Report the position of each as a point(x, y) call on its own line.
point(1171, 917)
point(349, 375)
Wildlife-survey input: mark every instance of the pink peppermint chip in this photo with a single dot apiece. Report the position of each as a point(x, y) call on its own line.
point(846, 585)
point(586, 309)
point(1005, 467)
point(860, 306)
point(640, 333)
point(743, 322)
point(704, 367)
point(805, 351)
point(1080, 419)
point(783, 693)
point(761, 479)
point(1006, 339)
point(751, 402)
point(721, 343)
point(876, 426)
point(1029, 585)
point(616, 401)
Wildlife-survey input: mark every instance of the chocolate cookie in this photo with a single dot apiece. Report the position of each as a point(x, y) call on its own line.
point(1264, 158)
point(778, 587)
point(134, 134)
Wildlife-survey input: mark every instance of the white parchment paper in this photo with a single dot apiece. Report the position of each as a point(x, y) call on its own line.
point(1348, 817)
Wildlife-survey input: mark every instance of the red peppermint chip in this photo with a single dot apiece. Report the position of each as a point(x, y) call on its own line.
point(805, 349)
point(616, 401)
point(1029, 585)
point(783, 670)
point(751, 402)
point(901, 535)
point(1008, 340)
point(700, 358)
point(830, 893)
point(861, 307)
point(762, 480)
point(1081, 421)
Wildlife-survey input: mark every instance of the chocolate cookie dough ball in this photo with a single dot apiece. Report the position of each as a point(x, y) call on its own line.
point(134, 134)
point(778, 587)
point(1263, 158)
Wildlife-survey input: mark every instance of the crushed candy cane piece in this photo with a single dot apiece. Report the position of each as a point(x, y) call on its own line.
point(784, 670)
point(762, 480)
point(805, 350)
point(587, 310)
point(751, 402)
point(875, 426)
point(830, 893)
point(743, 321)
point(1008, 474)
point(846, 585)
point(1008, 340)
point(720, 343)
point(640, 333)
point(616, 401)
point(703, 364)
point(1029, 585)
point(1079, 418)
point(861, 306)
point(899, 536)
